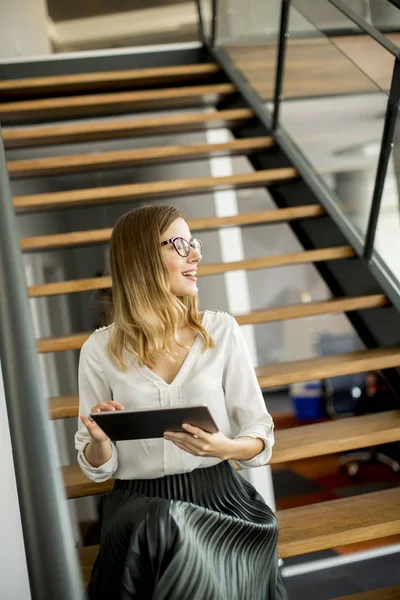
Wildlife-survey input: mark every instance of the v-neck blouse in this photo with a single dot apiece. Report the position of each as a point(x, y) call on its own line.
point(222, 377)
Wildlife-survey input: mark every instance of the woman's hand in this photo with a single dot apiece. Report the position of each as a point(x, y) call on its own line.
point(200, 443)
point(96, 433)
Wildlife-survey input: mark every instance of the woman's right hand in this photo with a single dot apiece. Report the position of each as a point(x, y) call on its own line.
point(96, 433)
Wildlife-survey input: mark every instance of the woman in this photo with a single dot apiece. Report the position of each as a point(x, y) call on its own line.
point(180, 523)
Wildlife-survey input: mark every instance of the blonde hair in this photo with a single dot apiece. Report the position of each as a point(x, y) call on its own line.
point(147, 316)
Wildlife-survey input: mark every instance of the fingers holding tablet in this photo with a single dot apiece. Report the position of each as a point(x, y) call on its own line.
point(107, 406)
point(95, 431)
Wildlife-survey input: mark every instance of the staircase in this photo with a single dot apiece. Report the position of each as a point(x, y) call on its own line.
point(48, 111)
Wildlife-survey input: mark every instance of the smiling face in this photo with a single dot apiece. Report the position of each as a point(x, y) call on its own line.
point(181, 269)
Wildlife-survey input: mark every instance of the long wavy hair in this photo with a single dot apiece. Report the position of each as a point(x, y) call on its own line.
point(147, 316)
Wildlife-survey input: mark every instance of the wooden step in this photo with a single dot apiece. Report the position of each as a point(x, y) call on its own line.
point(59, 165)
point(102, 236)
point(265, 262)
point(339, 522)
point(75, 341)
point(290, 444)
point(281, 374)
point(73, 133)
point(321, 526)
point(77, 485)
point(391, 592)
point(336, 436)
point(150, 190)
point(96, 104)
point(64, 407)
point(322, 367)
point(109, 80)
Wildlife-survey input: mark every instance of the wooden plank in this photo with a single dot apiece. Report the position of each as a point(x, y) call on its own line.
point(96, 104)
point(291, 444)
point(336, 436)
point(102, 236)
point(345, 521)
point(150, 190)
point(265, 262)
point(59, 165)
point(325, 70)
point(73, 133)
point(322, 367)
point(61, 343)
point(132, 78)
point(324, 525)
point(284, 373)
point(78, 486)
point(297, 311)
point(63, 407)
point(387, 593)
point(87, 555)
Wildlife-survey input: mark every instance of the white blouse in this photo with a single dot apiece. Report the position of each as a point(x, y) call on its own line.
point(222, 377)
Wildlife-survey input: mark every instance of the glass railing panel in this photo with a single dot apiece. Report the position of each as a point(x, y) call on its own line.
point(364, 51)
point(387, 237)
point(381, 14)
point(334, 112)
point(206, 9)
point(249, 32)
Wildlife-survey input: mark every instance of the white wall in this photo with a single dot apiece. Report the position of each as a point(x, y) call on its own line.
point(23, 28)
point(14, 583)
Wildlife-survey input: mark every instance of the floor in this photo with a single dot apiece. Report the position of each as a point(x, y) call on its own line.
point(343, 580)
point(317, 480)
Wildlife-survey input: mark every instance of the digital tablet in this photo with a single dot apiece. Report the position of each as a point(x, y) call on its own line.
point(152, 423)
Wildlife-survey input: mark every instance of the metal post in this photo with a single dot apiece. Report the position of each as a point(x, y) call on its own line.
point(201, 23)
point(384, 157)
point(280, 67)
point(214, 23)
point(49, 544)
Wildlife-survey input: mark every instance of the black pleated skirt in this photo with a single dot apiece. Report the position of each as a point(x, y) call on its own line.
point(204, 535)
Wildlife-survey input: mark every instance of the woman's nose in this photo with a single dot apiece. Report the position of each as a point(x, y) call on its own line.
point(195, 255)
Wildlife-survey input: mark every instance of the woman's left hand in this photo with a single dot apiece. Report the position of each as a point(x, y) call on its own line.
point(200, 443)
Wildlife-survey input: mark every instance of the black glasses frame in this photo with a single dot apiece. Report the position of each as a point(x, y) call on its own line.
point(195, 243)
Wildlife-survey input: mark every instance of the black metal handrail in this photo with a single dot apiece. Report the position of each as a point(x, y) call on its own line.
point(271, 120)
point(367, 27)
point(49, 545)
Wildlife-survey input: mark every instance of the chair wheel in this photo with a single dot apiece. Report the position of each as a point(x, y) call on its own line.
point(353, 470)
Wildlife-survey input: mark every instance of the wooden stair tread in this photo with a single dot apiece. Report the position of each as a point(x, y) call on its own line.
point(289, 372)
point(63, 407)
point(290, 444)
point(77, 485)
point(87, 555)
point(280, 260)
point(149, 190)
point(92, 104)
point(297, 311)
point(336, 436)
point(205, 224)
point(321, 367)
point(56, 165)
point(323, 526)
point(83, 132)
point(339, 522)
point(391, 592)
point(107, 79)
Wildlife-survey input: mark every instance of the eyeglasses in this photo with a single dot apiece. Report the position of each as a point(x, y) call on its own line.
point(182, 246)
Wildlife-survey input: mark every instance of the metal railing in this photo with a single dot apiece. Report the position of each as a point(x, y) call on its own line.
point(271, 119)
point(49, 545)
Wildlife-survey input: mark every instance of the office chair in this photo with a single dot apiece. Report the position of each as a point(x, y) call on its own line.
point(358, 394)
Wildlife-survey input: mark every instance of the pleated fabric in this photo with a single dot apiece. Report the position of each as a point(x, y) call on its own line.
point(204, 535)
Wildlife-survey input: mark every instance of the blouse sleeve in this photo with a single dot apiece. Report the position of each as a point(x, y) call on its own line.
point(245, 402)
point(93, 388)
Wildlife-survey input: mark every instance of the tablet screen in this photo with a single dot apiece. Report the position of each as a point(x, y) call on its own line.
point(152, 423)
